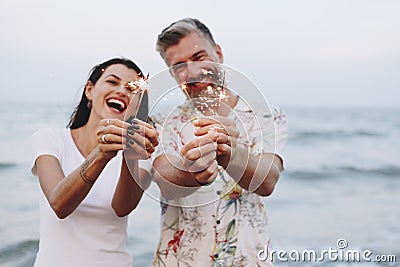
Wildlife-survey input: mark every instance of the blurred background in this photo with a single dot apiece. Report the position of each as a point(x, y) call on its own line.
point(331, 65)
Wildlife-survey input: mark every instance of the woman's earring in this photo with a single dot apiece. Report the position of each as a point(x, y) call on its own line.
point(89, 104)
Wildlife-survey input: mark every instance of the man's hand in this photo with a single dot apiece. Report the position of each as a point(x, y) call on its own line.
point(227, 133)
point(199, 158)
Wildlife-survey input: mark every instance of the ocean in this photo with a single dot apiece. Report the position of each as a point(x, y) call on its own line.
point(341, 183)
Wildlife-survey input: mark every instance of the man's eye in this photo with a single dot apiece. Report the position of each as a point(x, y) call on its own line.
point(179, 68)
point(200, 58)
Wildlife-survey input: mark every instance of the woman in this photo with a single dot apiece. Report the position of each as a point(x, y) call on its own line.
point(88, 185)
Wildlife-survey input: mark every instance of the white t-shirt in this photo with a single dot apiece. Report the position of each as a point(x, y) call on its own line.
point(92, 235)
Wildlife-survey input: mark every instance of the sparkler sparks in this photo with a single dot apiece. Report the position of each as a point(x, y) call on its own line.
point(138, 88)
point(206, 72)
point(214, 129)
point(138, 85)
point(211, 97)
point(209, 89)
point(183, 86)
point(206, 90)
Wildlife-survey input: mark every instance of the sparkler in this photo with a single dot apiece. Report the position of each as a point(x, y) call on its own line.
point(207, 101)
point(215, 95)
point(138, 88)
point(183, 86)
point(211, 97)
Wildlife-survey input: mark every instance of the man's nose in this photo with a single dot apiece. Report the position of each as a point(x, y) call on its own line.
point(193, 71)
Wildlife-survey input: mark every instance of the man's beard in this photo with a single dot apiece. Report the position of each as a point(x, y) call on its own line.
point(206, 99)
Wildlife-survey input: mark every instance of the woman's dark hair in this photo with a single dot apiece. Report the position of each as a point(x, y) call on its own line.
point(80, 116)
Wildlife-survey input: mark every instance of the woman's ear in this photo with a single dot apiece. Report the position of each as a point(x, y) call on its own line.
point(88, 90)
point(218, 50)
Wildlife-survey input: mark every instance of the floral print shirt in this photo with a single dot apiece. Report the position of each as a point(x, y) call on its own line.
point(220, 224)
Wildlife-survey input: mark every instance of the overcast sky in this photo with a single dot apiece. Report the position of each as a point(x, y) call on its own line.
point(335, 53)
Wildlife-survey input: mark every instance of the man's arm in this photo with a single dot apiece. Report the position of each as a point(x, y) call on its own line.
point(179, 177)
point(172, 181)
point(255, 173)
point(259, 175)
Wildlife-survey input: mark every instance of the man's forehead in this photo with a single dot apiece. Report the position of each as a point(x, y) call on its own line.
point(186, 48)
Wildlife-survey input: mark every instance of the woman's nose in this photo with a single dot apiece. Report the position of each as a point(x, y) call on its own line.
point(122, 90)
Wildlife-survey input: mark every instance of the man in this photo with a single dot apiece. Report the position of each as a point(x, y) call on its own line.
point(212, 214)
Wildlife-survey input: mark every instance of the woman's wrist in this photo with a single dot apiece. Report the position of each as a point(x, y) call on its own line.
point(99, 157)
point(128, 159)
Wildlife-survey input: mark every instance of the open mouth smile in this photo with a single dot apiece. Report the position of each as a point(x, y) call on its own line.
point(116, 105)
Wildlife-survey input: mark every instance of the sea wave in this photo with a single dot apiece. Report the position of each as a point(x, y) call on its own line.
point(19, 254)
point(334, 134)
point(332, 172)
point(389, 171)
point(310, 174)
point(6, 165)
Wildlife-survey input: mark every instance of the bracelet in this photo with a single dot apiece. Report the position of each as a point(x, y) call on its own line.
point(85, 178)
point(203, 183)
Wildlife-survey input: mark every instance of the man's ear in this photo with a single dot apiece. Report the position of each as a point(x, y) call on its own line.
point(88, 90)
point(218, 50)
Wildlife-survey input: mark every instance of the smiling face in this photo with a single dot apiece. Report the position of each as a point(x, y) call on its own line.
point(190, 61)
point(112, 93)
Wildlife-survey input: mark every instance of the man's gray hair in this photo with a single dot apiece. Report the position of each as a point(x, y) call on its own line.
point(171, 35)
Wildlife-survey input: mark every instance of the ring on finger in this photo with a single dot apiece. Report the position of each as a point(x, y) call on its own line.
point(103, 139)
point(151, 146)
point(228, 142)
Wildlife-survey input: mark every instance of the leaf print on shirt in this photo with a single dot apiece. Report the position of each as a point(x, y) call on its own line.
point(193, 222)
point(174, 243)
point(232, 196)
point(224, 250)
point(253, 213)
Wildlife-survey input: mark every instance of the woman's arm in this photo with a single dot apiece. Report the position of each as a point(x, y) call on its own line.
point(65, 193)
point(140, 144)
point(130, 187)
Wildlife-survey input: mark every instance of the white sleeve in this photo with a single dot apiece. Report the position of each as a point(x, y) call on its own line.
point(274, 131)
point(146, 165)
point(46, 142)
point(281, 133)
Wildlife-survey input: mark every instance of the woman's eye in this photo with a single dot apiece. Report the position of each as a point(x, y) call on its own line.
point(111, 82)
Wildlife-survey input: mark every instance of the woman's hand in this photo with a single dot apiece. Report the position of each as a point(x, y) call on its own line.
point(137, 139)
point(141, 140)
point(110, 137)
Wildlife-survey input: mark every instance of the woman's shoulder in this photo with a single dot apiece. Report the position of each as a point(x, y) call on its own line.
point(50, 133)
point(54, 131)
